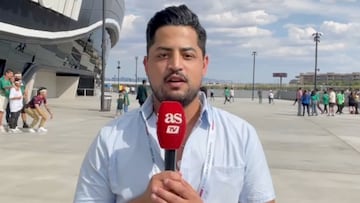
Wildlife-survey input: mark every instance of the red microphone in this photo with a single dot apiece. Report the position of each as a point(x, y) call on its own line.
point(171, 128)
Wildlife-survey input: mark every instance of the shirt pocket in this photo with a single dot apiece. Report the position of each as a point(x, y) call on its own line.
point(225, 183)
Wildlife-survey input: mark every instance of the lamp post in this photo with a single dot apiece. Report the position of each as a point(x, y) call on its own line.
point(136, 73)
point(103, 62)
point(253, 80)
point(118, 78)
point(316, 36)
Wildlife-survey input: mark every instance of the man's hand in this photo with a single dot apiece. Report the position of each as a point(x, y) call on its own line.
point(175, 191)
point(168, 187)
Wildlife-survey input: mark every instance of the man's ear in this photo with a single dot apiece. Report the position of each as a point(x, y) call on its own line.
point(145, 62)
point(205, 65)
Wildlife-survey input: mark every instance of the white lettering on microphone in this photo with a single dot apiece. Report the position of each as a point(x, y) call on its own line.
point(172, 129)
point(173, 118)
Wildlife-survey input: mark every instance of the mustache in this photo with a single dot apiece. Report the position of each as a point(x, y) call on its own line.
point(177, 73)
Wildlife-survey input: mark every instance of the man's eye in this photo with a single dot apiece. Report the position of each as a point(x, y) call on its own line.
point(188, 56)
point(163, 56)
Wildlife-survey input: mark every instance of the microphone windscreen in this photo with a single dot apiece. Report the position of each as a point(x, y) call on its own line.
point(171, 125)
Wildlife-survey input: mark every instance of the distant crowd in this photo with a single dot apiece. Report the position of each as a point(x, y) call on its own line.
point(329, 102)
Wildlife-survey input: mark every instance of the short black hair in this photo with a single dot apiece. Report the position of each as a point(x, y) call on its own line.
point(175, 15)
point(9, 70)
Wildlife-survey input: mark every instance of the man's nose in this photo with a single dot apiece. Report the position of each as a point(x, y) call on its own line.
point(175, 61)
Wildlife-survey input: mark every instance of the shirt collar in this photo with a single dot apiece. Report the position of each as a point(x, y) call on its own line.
point(147, 109)
point(205, 109)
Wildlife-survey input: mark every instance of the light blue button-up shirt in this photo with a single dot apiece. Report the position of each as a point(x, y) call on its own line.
point(119, 163)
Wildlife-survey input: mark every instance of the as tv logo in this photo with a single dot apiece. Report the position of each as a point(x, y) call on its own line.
point(173, 118)
point(172, 129)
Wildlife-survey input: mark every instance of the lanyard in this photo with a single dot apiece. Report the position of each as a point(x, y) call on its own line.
point(203, 189)
point(209, 159)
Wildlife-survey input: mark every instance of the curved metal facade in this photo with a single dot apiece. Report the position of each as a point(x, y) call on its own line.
point(24, 18)
point(34, 37)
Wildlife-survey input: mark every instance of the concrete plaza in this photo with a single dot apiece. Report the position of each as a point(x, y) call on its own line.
point(312, 159)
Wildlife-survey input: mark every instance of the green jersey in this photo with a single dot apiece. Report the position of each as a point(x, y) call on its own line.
point(5, 86)
point(326, 99)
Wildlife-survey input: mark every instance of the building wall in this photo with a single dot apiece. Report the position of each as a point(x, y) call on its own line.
point(48, 80)
point(325, 78)
point(66, 86)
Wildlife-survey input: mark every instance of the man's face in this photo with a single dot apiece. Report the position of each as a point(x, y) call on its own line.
point(9, 75)
point(43, 94)
point(175, 65)
point(17, 77)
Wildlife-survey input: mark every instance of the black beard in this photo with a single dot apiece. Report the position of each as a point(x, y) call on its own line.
point(185, 100)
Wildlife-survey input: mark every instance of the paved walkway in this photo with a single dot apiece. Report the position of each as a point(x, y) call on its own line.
point(312, 159)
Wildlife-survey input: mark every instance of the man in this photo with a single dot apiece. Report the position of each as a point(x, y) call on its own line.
point(15, 106)
point(340, 101)
point(260, 96)
point(221, 159)
point(142, 93)
point(232, 94)
point(227, 95)
point(332, 102)
point(34, 111)
point(24, 90)
point(5, 86)
point(271, 97)
point(299, 94)
point(212, 96)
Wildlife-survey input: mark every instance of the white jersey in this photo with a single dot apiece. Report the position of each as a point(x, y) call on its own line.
point(15, 104)
point(332, 97)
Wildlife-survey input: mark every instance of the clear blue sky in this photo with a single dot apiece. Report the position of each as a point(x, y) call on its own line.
point(279, 30)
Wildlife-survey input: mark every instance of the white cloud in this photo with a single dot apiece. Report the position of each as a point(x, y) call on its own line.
point(349, 29)
point(298, 34)
point(128, 26)
point(332, 47)
point(240, 32)
point(230, 18)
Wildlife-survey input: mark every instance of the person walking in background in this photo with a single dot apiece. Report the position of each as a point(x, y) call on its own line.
point(7, 110)
point(318, 101)
point(120, 104)
point(16, 104)
point(357, 100)
point(271, 97)
point(212, 96)
point(260, 96)
point(5, 85)
point(305, 101)
point(232, 94)
point(340, 100)
point(325, 99)
point(126, 101)
point(142, 93)
point(313, 102)
point(352, 102)
point(36, 113)
point(227, 95)
point(299, 94)
point(332, 102)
